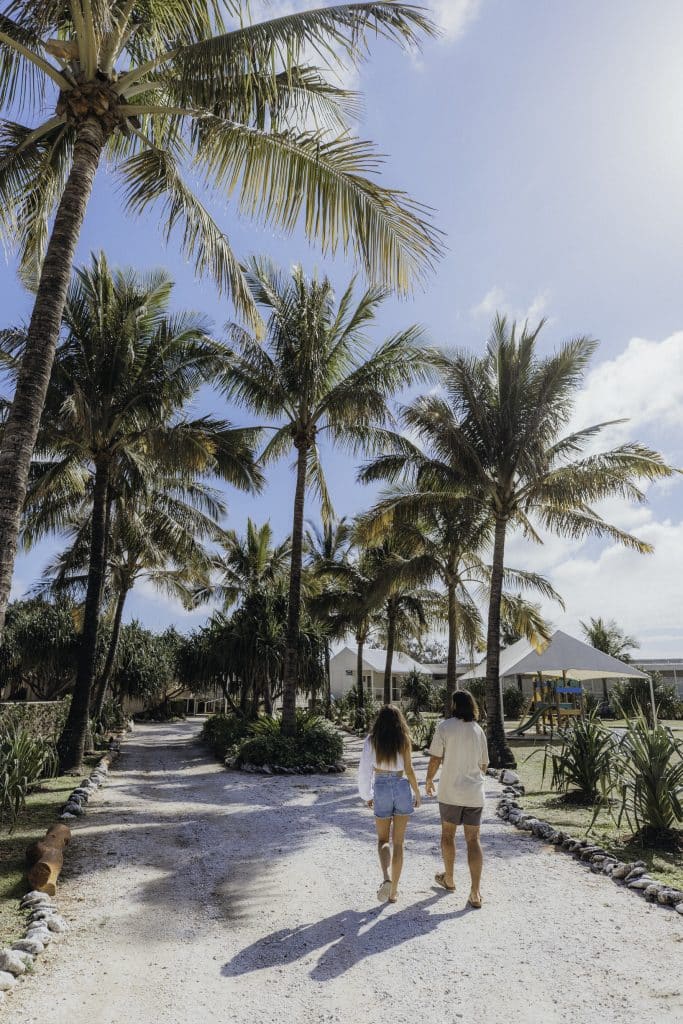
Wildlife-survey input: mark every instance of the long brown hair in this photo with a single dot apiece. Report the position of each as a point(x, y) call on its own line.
point(465, 706)
point(390, 734)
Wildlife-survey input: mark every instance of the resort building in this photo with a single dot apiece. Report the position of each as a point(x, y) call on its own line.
point(343, 671)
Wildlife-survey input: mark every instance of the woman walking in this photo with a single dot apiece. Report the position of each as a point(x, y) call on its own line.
point(387, 783)
point(459, 749)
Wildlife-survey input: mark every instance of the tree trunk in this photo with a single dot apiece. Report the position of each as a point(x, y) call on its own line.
point(391, 639)
point(21, 428)
point(290, 681)
point(359, 673)
point(72, 740)
point(451, 663)
point(105, 678)
point(499, 752)
point(268, 698)
point(328, 683)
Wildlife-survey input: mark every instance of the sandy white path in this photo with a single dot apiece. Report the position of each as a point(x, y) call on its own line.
point(200, 896)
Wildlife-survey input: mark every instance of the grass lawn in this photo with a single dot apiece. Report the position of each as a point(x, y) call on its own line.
point(42, 809)
point(540, 800)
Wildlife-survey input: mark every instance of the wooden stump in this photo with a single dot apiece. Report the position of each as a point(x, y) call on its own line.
point(46, 859)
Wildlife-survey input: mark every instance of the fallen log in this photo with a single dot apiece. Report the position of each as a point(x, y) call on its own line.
point(46, 859)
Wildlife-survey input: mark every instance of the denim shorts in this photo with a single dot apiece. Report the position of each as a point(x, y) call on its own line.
point(392, 795)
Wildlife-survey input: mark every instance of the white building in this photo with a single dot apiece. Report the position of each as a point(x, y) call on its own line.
point(343, 671)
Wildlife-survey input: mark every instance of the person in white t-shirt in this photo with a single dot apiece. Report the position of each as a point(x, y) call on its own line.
point(459, 748)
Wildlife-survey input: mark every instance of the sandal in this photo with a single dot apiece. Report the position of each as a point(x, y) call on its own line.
point(384, 890)
point(440, 879)
point(393, 899)
point(473, 904)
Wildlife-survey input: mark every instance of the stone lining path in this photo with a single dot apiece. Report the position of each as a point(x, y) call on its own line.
point(198, 895)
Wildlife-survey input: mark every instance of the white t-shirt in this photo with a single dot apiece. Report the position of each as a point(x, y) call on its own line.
point(366, 769)
point(462, 747)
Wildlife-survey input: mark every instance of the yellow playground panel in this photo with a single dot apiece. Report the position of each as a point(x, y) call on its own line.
point(554, 703)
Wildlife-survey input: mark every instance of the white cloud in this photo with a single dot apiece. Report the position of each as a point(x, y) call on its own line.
point(455, 16)
point(496, 301)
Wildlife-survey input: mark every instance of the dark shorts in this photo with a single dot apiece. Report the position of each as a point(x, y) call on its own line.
point(455, 814)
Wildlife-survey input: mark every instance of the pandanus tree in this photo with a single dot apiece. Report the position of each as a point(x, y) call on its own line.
point(498, 430)
point(315, 379)
point(159, 534)
point(114, 416)
point(165, 95)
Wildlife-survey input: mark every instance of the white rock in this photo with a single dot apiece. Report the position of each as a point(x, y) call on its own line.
point(12, 962)
point(57, 924)
point(40, 934)
point(679, 908)
point(34, 898)
point(7, 981)
point(509, 778)
point(29, 946)
point(67, 816)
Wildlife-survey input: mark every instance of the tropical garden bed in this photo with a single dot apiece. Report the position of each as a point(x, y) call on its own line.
point(261, 744)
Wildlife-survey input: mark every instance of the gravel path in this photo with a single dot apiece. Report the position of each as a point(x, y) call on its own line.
point(198, 895)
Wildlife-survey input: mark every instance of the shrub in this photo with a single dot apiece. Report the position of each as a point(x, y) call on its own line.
point(417, 691)
point(513, 702)
point(585, 761)
point(221, 732)
point(24, 761)
point(112, 717)
point(650, 769)
point(316, 744)
point(421, 730)
point(632, 698)
point(40, 719)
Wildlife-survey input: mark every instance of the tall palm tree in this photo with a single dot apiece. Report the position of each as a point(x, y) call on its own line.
point(317, 379)
point(605, 635)
point(453, 534)
point(149, 89)
point(499, 429)
point(159, 535)
point(330, 541)
point(248, 564)
point(113, 416)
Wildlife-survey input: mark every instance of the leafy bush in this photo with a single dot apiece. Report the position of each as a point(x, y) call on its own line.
point(222, 732)
point(632, 698)
point(422, 730)
point(417, 691)
point(112, 717)
point(24, 761)
point(316, 744)
point(650, 769)
point(513, 702)
point(40, 719)
point(584, 764)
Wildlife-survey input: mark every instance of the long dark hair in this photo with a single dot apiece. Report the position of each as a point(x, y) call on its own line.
point(465, 706)
point(390, 734)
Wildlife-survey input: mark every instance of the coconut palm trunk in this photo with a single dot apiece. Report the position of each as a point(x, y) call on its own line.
point(21, 429)
point(72, 740)
point(451, 663)
point(499, 752)
point(328, 682)
point(105, 678)
point(359, 670)
point(391, 640)
point(290, 681)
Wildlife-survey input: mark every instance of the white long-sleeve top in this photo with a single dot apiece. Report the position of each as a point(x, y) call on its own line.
point(366, 769)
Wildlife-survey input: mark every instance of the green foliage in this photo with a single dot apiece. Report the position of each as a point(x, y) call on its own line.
point(315, 744)
point(222, 732)
point(650, 772)
point(112, 717)
point(632, 697)
point(39, 648)
point(422, 729)
point(145, 663)
point(41, 720)
point(417, 691)
point(513, 702)
point(477, 688)
point(24, 761)
point(584, 764)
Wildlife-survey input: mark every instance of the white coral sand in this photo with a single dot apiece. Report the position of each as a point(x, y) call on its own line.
point(198, 895)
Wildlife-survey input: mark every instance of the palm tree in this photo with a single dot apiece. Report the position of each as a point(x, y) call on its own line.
point(113, 417)
point(150, 89)
point(329, 542)
point(248, 564)
point(605, 635)
point(316, 378)
point(158, 535)
point(498, 428)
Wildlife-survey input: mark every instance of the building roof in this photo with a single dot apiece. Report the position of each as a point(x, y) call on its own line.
point(562, 653)
point(375, 658)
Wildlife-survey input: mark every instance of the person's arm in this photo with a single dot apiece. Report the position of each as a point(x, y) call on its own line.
point(484, 751)
point(365, 770)
point(432, 769)
point(410, 773)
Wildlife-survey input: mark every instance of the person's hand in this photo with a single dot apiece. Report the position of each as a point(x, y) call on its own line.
point(429, 787)
point(370, 803)
point(418, 799)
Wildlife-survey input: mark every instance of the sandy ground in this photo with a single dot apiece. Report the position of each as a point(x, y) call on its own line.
point(198, 895)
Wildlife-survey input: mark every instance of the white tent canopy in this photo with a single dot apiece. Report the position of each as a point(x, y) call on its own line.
point(564, 653)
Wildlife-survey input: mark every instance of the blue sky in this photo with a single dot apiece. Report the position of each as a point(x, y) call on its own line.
point(548, 138)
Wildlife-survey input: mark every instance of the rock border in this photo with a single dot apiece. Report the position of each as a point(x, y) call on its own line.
point(277, 769)
point(631, 875)
point(44, 920)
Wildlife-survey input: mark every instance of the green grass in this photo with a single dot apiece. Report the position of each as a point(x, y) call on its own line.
point(41, 811)
point(663, 864)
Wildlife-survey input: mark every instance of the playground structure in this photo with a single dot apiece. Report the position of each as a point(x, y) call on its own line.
point(554, 702)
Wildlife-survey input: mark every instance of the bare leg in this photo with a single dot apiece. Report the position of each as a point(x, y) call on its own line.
point(398, 835)
point(475, 858)
point(448, 851)
point(383, 826)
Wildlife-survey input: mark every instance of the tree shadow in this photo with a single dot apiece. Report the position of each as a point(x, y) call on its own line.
point(344, 938)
